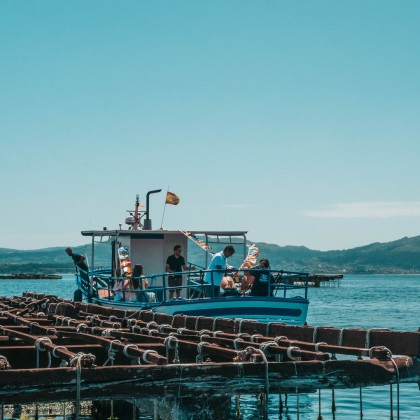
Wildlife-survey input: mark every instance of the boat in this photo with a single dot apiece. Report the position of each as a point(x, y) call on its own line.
point(138, 244)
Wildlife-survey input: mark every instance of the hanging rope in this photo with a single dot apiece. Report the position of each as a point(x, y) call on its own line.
point(77, 362)
point(397, 372)
point(267, 384)
point(315, 335)
point(111, 353)
point(236, 341)
point(39, 347)
point(197, 320)
point(319, 406)
point(200, 357)
point(240, 322)
point(54, 354)
point(171, 343)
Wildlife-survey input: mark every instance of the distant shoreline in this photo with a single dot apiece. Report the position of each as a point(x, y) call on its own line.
point(26, 276)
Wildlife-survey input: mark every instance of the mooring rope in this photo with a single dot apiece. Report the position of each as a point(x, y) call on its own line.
point(242, 355)
point(146, 353)
point(4, 363)
point(266, 345)
point(39, 347)
point(397, 372)
point(133, 358)
point(200, 358)
point(197, 320)
point(33, 324)
point(131, 322)
point(289, 353)
point(267, 384)
point(340, 337)
point(254, 336)
point(80, 326)
point(168, 344)
point(280, 338)
point(111, 353)
point(76, 362)
point(236, 341)
point(152, 324)
point(162, 327)
point(108, 332)
point(53, 353)
point(315, 335)
point(136, 327)
point(240, 321)
point(322, 343)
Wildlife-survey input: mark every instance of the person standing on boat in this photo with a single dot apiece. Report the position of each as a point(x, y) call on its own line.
point(218, 262)
point(262, 279)
point(79, 260)
point(175, 263)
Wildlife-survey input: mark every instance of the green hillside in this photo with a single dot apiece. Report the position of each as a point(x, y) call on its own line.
point(400, 256)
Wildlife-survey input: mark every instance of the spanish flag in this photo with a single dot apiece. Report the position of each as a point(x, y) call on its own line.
point(172, 198)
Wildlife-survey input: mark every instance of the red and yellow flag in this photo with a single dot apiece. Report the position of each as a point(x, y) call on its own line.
point(172, 198)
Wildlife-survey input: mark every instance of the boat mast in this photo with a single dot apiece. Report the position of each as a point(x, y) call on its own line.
point(136, 214)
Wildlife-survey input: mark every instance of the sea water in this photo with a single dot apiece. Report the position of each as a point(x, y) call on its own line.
point(366, 301)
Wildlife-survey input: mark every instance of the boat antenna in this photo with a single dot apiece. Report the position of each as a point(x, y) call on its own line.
point(147, 221)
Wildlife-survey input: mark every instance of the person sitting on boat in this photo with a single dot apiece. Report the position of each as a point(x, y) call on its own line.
point(246, 283)
point(142, 295)
point(122, 289)
point(228, 286)
point(79, 260)
point(218, 262)
point(262, 279)
point(175, 263)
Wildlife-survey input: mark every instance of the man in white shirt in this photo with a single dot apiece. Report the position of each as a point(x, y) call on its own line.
point(218, 262)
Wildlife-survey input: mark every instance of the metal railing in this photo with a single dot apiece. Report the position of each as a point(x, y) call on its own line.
point(280, 283)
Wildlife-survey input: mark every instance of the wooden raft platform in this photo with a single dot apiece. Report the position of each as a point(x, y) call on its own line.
point(53, 349)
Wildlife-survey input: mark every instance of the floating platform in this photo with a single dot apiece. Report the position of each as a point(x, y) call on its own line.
point(53, 349)
point(318, 280)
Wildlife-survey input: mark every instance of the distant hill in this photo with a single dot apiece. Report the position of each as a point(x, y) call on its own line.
point(400, 256)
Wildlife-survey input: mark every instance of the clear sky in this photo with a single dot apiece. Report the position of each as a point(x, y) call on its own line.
point(298, 121)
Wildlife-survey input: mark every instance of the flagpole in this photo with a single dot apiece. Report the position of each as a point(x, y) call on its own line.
point(164, 208)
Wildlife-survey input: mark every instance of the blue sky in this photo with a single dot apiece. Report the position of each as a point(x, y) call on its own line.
point(295, 120)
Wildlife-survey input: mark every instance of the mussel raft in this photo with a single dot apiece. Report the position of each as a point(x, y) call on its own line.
point(52, 349)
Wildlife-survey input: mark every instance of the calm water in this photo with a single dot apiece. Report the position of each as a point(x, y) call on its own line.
point(388, 301)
